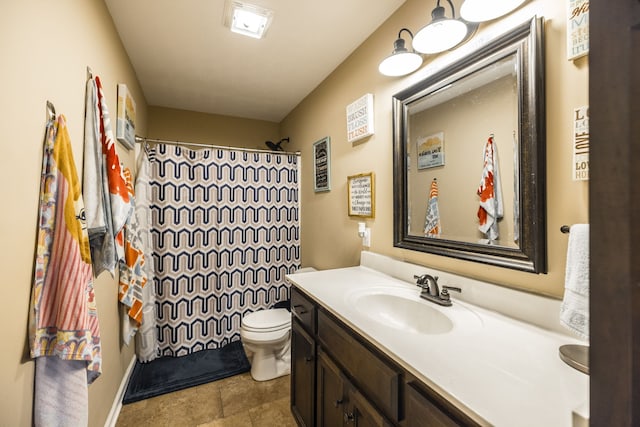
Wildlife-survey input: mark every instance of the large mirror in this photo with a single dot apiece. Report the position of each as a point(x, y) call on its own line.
point(469, 156)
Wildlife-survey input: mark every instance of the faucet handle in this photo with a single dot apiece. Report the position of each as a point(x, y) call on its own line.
point(421, 281)
point(444, 294)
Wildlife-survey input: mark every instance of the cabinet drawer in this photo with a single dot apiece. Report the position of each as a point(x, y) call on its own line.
point(379, 381)
point(304, 310)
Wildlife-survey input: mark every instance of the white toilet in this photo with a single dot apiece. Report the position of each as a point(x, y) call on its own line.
point(266, 335)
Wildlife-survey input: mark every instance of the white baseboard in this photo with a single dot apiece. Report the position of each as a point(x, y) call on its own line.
point(117, 402)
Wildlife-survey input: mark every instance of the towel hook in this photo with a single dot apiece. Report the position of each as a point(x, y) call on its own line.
point(51, 111)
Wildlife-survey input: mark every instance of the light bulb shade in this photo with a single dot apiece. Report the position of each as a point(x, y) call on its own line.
point(440, 35)
point(486, 10)
point(400, 63)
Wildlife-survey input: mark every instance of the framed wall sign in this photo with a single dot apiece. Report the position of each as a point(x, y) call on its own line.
point(360, 118)
point(362, 195)
point(322, 165)
point(430, 151)
point(126, 122)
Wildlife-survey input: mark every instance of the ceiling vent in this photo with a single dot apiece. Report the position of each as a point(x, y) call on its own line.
point(247, 19)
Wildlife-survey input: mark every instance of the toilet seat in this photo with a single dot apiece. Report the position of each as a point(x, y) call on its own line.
point(267, 320)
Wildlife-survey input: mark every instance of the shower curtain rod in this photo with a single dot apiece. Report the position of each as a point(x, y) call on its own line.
point(141, 140)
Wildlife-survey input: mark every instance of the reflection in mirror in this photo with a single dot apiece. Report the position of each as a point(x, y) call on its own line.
point(443, 127)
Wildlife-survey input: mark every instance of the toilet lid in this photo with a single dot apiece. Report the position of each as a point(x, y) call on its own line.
point(267, 320)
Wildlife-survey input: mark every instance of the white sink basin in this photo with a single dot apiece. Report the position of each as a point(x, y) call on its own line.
point(404, 310)
point(404, 314)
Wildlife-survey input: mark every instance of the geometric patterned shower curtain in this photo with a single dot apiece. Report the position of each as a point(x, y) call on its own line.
point(225, 231)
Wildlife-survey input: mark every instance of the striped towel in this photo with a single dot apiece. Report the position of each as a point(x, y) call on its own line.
point(64, 334)
point(432, 226)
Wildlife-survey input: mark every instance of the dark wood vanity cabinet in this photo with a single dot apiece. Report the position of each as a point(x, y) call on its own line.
point(303, 384)
point(338, 402)
point(340, 379)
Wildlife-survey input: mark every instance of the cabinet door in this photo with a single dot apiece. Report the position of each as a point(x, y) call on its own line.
point(331, 401)
point(302, 375)
point(360, 412)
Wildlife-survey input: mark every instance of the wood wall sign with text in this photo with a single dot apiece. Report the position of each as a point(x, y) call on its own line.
point(362, 195)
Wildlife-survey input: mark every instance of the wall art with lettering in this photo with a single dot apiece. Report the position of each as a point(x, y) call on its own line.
point(581, 144)
point(360, 118)
point(322, 165)
point(430, 150)
point(577, 29)
point(362, 195)
point(126, 122)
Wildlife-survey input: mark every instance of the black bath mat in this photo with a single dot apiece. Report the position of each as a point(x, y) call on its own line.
point(168, 374)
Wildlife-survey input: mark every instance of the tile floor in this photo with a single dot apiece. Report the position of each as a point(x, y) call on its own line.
point(237, 401)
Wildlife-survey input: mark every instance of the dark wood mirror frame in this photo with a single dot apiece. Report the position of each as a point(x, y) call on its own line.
point(526, 43)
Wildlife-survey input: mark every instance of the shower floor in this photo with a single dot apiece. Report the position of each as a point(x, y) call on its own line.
point(231, 402)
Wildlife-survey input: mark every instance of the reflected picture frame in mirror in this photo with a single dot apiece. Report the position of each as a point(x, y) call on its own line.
point(491, 100)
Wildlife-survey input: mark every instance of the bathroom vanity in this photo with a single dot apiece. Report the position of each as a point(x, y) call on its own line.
point(367, 351)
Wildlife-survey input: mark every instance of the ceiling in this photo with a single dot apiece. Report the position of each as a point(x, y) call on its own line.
point(186, 58)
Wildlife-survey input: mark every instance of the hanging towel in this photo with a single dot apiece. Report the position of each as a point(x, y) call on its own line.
point(574, 310)
point(61, 395)
point(432, 221)
point(95, 188)
point(64, 334)
point(132, 275)
point(147, 337)
point(118, 193)
point(490, 192)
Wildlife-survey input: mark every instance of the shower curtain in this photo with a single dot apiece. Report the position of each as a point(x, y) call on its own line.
point(225, 232)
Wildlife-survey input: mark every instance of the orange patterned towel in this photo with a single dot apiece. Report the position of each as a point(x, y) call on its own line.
point(490, 192)
point(132, 275)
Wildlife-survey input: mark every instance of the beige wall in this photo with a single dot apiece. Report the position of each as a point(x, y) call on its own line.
point(45, 49)
point(329, 236)
point(189, 126)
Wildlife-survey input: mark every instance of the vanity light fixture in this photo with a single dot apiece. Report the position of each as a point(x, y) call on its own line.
point(247, 19)
point(441, 33)
point(402, 61)
point(483, 10)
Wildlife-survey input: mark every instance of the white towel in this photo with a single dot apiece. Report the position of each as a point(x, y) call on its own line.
point(147, 337)
point(95, 188)
point(574, 310)
point(61, 393)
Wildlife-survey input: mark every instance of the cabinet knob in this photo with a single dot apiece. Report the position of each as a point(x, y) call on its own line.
point(308, 359)
point(338, 403)
point(299, 310)
point(349, 416)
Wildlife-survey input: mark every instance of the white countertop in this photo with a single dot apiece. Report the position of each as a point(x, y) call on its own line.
point(498, 370)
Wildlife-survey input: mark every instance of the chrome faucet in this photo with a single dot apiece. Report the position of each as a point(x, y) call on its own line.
point(431, 290)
